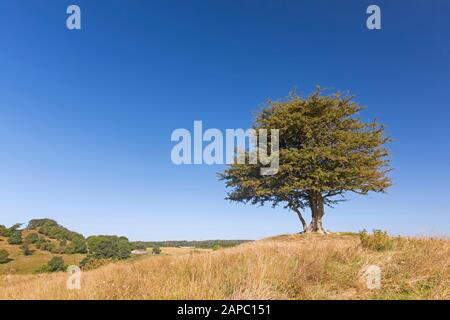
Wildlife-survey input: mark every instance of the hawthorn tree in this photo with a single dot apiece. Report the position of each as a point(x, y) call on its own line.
point(325, 151)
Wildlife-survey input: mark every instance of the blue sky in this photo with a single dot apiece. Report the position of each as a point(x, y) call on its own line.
point(86, 116)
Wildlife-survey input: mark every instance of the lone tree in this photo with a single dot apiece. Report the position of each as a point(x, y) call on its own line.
point(325, 151)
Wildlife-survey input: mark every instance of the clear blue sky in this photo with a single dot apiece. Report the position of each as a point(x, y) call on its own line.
point(86, 116)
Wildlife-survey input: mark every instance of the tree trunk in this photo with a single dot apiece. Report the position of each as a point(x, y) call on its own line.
point(317, 212)
point(305, 226)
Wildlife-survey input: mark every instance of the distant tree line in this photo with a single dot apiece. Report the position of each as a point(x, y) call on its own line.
point(204, 244)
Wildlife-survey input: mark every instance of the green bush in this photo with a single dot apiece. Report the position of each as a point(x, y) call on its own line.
point(90, 263)
point(4, 256)
point(55, 264)
point(378, 241)
point(15, 237)
point(47, 246)
point(156, 250)
point(79, 245)
point(4, 231)
point(32, 238)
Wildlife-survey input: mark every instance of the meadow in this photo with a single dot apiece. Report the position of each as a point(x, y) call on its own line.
point(307, 266)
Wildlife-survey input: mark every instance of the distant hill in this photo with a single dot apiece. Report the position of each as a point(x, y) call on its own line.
point(29, 249)
point(22, 264)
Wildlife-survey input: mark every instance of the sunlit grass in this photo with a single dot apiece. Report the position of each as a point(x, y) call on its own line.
point(283, 267)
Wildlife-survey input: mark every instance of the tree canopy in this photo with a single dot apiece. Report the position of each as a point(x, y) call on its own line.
point(325, 151)
point(109, 247)
point(52, 229)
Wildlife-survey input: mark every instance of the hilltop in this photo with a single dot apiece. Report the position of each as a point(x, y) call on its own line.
point(282, 267)
point(30, 248)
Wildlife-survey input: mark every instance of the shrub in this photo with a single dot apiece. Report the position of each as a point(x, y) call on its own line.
point(47, 246)
point(90, 263)
point(55, 264)
point(4, 231)
point(15, 238)
point(156, 250)
point(216, 247)
point(4, 256)
point(32, 238)
point(378, 241)
point(79, 245)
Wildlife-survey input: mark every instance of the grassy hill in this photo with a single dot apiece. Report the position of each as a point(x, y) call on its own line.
point(283, 267)
point(51, 239)
point(21, 264)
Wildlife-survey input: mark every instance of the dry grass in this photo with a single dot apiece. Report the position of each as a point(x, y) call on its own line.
point(175, 251)
point(285, 267)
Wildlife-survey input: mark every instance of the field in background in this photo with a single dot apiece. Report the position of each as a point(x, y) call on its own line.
point(283, 267)
point(175, 251)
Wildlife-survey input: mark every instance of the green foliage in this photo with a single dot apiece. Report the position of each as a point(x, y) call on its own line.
point(216, 247)
point(8, 232)
point(4, 231)
point(32, 238)
point(4, 256)
point(45, 245)
point(70, 242)
point(156, 250)
point(378, 241)
point(55, 264)
point(86, 260)
point(90, 263)
point(79, 245)
point(52, 229)
point(109, 247)
point(15, 237)
point(76, 246)
point(325, 151)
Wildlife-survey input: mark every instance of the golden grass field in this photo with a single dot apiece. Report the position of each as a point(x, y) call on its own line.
point(283, 267)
